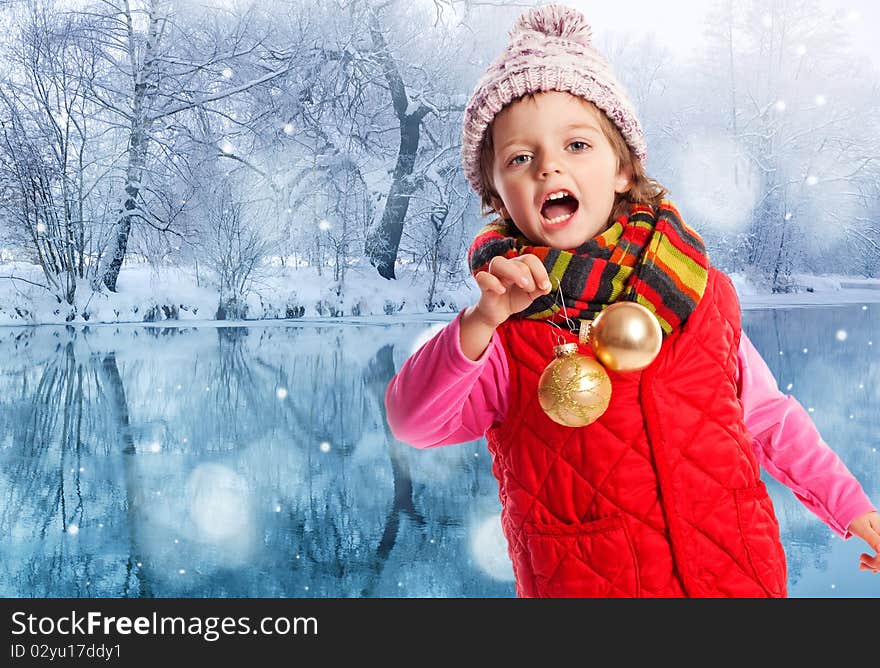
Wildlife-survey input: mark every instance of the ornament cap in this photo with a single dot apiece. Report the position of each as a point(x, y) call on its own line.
point(584, 332)
point(564, 349)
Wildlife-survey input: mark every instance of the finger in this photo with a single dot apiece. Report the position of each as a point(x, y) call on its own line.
point(489, 283)
point(869, 561)
point(534, 279)
point(512, 272)
point(537, 288)
point(874, 523)
point(872, 537)
point(538, 271)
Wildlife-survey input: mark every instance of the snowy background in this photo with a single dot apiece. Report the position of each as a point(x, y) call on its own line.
point(245, 160)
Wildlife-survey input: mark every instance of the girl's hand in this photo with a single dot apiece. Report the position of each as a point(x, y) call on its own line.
point(867, 527)
point(510, 285)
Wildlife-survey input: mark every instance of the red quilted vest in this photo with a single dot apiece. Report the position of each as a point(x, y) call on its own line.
point(661, 496)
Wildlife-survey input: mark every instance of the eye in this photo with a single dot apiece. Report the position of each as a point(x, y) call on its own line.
point(584, 144)
point(513, 161)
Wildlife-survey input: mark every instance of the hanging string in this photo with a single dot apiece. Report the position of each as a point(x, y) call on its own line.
point(561, 299)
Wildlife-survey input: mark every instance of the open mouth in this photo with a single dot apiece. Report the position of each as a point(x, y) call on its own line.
point(559, 211)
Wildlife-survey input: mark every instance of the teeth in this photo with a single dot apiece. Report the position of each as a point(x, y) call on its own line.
point(558, 195)
point(559, 219)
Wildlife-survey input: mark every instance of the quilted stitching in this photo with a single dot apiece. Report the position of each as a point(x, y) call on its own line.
point(537, 497)
point(566, 479)
point(623, 581)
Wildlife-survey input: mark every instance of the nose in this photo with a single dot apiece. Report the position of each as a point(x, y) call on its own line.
point(549, 165)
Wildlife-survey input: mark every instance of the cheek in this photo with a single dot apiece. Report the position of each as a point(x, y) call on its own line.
point(512, 194)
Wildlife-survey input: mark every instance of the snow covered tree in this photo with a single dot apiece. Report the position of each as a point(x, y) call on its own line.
point(159, 67)
point(374, 85)
point(434, 238)
point(383, 244)
point(788, 104)
point(50, 142)
point(234, 240)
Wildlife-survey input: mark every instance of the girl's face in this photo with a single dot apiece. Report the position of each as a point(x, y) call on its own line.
point(549, 144)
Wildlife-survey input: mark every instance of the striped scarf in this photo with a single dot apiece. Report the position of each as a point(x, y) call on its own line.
point(653, 259)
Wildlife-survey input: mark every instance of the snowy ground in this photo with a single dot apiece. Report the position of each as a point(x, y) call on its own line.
point(828, 290)
point(169, 295)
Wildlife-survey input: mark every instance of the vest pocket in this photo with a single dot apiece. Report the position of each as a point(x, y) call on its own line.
point(759, 529)
point(593, 559)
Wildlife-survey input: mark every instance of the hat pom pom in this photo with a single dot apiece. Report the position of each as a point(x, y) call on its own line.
point(555, 21)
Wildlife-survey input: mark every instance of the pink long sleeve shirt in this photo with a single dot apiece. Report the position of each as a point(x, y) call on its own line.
point(441, 397)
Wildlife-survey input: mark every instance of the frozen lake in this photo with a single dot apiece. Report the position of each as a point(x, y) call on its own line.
point(254, 461)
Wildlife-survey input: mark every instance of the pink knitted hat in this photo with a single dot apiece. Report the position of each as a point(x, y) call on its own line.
point(550, 48)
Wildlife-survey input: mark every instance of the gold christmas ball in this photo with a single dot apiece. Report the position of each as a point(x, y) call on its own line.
point(574, 389)
point(625, 336)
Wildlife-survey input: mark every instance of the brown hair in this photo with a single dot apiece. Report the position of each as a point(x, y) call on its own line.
point(643, 189)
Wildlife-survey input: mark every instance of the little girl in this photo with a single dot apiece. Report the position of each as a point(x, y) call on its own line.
point(661, 495)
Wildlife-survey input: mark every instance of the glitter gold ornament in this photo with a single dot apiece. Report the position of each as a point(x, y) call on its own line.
point(574, 389)
point(625, 336)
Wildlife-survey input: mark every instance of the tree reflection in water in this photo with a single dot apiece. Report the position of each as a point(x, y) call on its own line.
point(256, 462)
